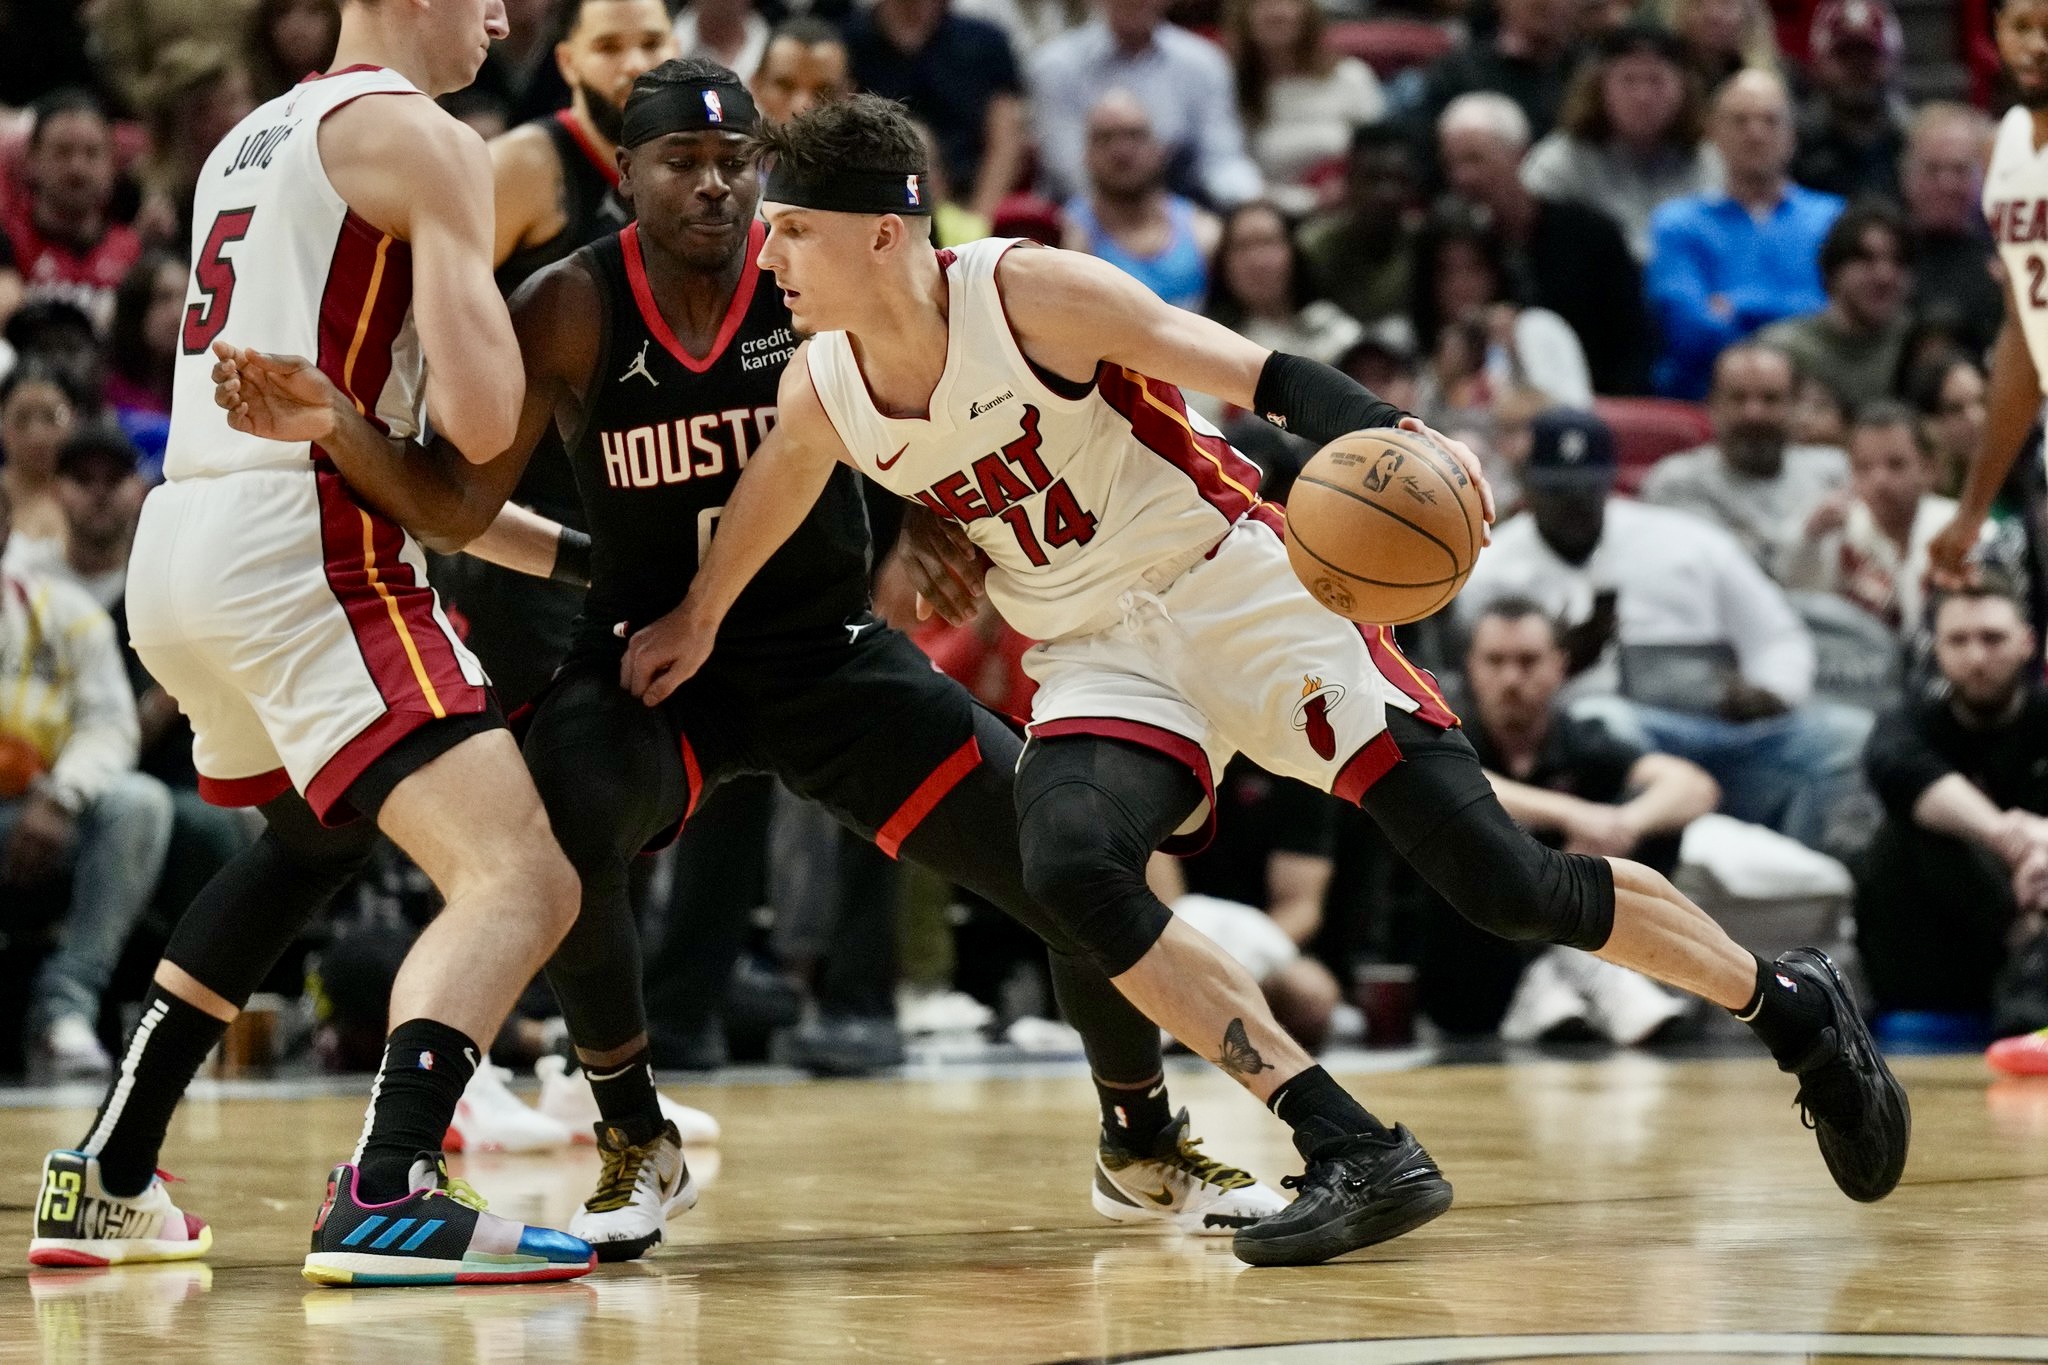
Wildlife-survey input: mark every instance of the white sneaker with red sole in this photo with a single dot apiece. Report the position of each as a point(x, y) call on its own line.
point(490, 1118)
point(566, 1096)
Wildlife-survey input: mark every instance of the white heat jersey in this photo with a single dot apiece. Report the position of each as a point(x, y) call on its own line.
point(279, 263)
point(1077, 494)
point(2016, 203)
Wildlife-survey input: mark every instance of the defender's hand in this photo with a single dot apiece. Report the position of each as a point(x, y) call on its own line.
point(276, 397)
point(943, 564)
point(662, 657)
point(1462, 453)
point(1948, 554)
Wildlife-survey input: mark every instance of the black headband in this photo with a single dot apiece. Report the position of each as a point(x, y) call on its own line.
point(721, 106)
point(838, 191)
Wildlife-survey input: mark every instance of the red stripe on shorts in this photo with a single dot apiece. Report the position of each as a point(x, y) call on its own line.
point(244, 791)
point(1371, 763)
point(948, 775)
point(1414, 683)
point(330, 785)
point(1161, 740)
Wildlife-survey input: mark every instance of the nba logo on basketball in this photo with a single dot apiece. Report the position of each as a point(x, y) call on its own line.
point(910, 190)
point(713, 110)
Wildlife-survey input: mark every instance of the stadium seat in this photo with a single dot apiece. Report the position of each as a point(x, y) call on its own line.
point(1648, 429)
point(1390, 46)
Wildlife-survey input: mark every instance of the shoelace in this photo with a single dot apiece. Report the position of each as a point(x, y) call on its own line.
point(460, 1190)
point(619, 1178)
point(1207, 1169)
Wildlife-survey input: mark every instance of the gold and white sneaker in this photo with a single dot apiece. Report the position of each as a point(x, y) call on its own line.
point(638, 1190)
point(1175, 1184)
point(79, 1224)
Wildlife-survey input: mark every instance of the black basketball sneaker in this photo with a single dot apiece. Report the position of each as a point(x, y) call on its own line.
point(1355, 1193)
point(1847, 1095)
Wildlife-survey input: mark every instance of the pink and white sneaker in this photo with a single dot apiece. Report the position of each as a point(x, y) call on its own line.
point(79, 1224)
point(2026, 1055)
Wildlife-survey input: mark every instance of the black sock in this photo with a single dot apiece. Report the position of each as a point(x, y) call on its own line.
point(1133, 1115)
point(625, 1096)
point(1320, 1112)
point(1786, 1018)
point(426, 1066)
point(164, 1053)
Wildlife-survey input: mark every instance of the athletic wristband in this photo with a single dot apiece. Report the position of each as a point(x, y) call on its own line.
point(572, 558)
point(1316, 402)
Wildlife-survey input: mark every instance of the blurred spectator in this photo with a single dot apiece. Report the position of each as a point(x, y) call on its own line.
point(1029, 24)
point(960, 78)
point(1753, 482)
point(1964, 846)
point(131, 36)
point(1129, 218)
point(1723, 265)
point(39, 408)
point(288, 41)
point(58, 333)
point(1722, 37)
point(1819, 417)
point(729, 32)
point(1529, 59)
point(142, 343)
point(1629, 137)
point(1854, 344)
point(1183, 82)
point(1300, 102)
point(100, 494)
point(1942, 178)
point(1948, 393)
point(1574, 786)
point(1677, 640)
point(1854, 127)
point(1565, 257)
point(1384, 361)
point(806, 64)
point(194, 98)
point(1868, 542)
point(521, 70)
point(1481, 344)
point(1363, 253)
point(1258, 889)
point(86, 812)
point(952, 222)
point(63, 243)
point(1261, 288)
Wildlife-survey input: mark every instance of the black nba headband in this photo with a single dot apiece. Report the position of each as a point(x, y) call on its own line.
point(715, 106)
point(838, 191)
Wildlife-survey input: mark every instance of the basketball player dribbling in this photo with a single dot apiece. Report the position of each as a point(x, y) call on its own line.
point(657, 352)
point(350, 219)
point(1030, 396)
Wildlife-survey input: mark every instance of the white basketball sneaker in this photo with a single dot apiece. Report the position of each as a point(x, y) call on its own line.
point(79, 1224)
point(638, 1190)
point(565, 1096)
point(1175, 1184)
point(490, 1118)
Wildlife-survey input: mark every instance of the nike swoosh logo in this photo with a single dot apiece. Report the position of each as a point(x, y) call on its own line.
point(890, 463)
point(1164, 1198)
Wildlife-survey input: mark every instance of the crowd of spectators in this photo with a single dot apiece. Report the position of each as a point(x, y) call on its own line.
point(1548, 226)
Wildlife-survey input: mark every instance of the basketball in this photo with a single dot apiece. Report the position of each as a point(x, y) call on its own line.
point(1384, 526)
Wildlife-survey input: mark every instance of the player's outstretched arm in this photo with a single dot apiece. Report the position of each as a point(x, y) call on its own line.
point(780, 486)
point(412, 171)
point(1071, 312)
point(2012, 402)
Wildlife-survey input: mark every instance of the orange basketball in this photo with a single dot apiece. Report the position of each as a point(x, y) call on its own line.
point(1383, 526)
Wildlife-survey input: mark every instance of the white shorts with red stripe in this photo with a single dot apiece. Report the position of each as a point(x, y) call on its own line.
point(294, 628)
point(1234, 656)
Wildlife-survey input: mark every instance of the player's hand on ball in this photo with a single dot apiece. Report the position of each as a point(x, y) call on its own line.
point(1462, 453)
point(943, 564)
point(662, 657)
point(276, 397)
point(1948, 554)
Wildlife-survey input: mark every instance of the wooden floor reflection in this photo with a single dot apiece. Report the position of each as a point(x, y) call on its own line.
point(947, 1220)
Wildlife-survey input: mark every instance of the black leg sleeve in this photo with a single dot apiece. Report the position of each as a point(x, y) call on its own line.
point(610, 774)
point(257, 905)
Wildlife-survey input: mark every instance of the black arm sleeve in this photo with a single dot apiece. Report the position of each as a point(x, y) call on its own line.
point(1902, 763)
point(1316, 402)
point(572, 558)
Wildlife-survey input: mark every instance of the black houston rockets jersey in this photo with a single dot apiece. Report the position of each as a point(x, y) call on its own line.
point(663, 439)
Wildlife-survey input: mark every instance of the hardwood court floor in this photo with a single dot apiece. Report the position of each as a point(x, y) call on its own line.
point(947, 1220)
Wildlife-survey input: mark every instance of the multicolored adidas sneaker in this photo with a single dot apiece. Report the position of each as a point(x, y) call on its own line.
point(79, 1224)
point(436, 1234)
point(1174, 1183)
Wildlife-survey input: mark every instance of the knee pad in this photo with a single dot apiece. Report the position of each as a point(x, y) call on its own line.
point(1084, 867)
point(1496, 875)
